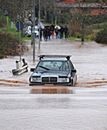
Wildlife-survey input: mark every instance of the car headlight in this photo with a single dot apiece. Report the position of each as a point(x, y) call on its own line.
point(63, 79)
point(35, 79)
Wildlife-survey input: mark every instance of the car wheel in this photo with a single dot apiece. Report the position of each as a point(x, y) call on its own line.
point(71, 83)
point(75, 80)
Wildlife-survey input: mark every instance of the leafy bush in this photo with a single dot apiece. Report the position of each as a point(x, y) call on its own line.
point(10, 45)
point(101, 37)
point(90, 37)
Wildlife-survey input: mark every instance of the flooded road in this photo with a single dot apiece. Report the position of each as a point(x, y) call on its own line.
point(90, 60)
point(85, 109)
point(53, 112)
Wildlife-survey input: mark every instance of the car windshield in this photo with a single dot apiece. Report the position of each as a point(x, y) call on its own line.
point(53, 66)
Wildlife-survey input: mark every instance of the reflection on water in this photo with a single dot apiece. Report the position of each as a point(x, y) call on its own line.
point(53, 102)
point(37, 103)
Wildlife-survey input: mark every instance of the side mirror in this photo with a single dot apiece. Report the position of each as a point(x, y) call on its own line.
point(74, 71)
point(32, 69)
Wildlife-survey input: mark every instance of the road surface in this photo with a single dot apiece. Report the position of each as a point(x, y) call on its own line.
point(85, 109)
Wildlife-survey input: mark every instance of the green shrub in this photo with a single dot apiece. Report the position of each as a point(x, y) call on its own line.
point(91, 37)
point(10, 45)
point(101, 37)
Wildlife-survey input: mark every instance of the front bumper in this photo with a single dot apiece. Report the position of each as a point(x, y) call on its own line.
point(50, 80)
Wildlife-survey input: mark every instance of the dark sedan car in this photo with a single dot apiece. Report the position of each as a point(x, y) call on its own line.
point(53, 69)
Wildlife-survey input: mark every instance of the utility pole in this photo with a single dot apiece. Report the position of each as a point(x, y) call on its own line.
point(39, 15)
point(19, 32)
point(82, 31)
point(55, 16)
point(33, 26)
point(81, 7)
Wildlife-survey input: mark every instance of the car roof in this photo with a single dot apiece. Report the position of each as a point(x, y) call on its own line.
point(54, 57)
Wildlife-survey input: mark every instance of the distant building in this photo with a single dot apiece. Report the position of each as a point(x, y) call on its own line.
point(95, 8)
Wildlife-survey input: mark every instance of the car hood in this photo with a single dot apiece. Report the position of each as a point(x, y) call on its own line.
point(50, 73)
